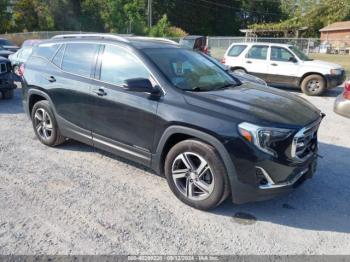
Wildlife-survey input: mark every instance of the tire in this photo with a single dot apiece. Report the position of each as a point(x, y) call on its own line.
point(313, 85)
point(238, 70)
point(188, 156)
point(45, 124)
point(8, 94)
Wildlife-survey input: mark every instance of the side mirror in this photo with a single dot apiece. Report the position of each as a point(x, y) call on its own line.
point(141, 85)
point(293, 59)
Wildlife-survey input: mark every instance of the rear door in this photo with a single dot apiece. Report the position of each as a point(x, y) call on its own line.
point(233, 56)
point(283, 67)
point(70, 88)
point(255, 61)
point(123, 121)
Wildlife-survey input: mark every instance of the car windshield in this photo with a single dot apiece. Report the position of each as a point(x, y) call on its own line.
point(188, 70)
point(299, 53)
point(5, 42)
point(26, 52)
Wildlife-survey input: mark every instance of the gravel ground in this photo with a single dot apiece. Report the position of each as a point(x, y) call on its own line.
point(76, 200)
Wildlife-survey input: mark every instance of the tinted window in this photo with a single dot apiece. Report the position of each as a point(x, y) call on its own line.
point(119, 65)
point(57, 60)
point(258, 52)
point(45, 50)
point(281, 54)
point(236, 50)
point(80, 58)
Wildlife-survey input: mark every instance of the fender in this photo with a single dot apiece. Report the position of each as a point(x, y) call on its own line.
point(229, 165)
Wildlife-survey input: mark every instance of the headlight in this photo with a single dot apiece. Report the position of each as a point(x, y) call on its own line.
point(263, 138)
point(336, 71)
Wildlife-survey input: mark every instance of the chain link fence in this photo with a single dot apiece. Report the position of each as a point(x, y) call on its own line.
point(219, 45)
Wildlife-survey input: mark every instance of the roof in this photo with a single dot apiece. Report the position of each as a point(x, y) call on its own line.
point(262, 43)
point(337, 26)
point(192, 37)
point(137, 42)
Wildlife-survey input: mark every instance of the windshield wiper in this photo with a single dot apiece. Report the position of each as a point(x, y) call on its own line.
point(226, 86)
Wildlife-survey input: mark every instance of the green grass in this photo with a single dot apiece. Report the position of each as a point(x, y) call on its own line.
point(343, 60)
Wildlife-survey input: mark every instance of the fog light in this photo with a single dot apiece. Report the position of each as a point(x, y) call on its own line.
point(260, 178)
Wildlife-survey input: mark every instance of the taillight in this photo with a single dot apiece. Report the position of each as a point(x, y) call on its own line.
point(21, 70)
point(223, 61)
point(346, 93)
point(206, 50)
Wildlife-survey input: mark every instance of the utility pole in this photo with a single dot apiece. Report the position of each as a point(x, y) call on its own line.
point(150, 13)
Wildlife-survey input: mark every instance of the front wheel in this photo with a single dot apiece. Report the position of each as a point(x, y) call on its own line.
point(313, 85)
point(196, 174)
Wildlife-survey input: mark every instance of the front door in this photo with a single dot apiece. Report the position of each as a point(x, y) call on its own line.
point(123, 121)
point(283, 67)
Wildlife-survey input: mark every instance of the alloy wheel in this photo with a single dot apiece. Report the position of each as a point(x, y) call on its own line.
point(43, 124)
point(193, 176)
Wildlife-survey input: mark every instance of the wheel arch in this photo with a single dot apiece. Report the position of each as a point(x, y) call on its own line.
point(309, 74)
point(176, 134)
point(35, 96)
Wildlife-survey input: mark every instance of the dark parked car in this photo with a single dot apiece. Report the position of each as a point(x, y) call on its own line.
point(174, 111)
point(8, 45)
point(196, 43)
point(21, 56)
point(7, 78)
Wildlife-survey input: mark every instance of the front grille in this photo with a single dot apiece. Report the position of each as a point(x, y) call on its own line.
point(305, 142)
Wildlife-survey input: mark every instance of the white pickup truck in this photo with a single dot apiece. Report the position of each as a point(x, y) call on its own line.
point(284, 65)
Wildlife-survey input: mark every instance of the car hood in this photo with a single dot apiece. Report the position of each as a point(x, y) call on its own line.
point(257, 104)
point(323, 64)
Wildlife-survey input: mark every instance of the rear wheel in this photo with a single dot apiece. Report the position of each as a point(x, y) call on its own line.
point(8, 94)
point(313, 85)
point(45, 125)
point(196, 174)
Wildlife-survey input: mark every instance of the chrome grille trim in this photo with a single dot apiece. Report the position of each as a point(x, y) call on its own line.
point(304, 136)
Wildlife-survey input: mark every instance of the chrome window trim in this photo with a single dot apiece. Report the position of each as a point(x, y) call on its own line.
point(95, 79)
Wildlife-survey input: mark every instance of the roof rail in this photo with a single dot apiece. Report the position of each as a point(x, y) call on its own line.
point(102, 36)
point(156, 39)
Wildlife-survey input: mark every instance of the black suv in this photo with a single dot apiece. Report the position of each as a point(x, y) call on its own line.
point(175, 111)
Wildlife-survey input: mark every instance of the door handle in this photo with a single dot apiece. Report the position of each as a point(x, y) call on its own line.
point(249, 62)
point(51, 79)
point(100, 92)
point(274, 64)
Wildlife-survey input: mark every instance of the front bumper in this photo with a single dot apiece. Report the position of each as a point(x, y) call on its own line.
point(335, 80)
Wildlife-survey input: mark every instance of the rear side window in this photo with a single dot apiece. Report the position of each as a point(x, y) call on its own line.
point(46, 50)
point(258, 52)
point(119, 65)
point(236, 50)
point(80, 58)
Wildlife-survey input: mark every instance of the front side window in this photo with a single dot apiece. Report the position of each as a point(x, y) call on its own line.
point(189, 70)
point(299, 53)
point(80, 58)
point(281, 54)
point(119, 65)
point(236, 50)
point(258, 52)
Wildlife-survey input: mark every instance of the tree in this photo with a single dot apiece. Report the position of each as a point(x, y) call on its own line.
point(4, 16)
point(164, 29)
